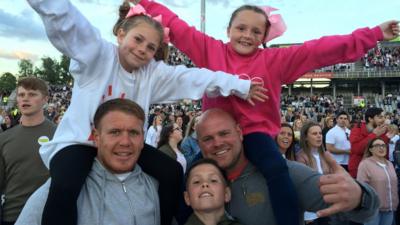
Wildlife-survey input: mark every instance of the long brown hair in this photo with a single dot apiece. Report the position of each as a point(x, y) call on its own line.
point(304, 143)
point(126, 24)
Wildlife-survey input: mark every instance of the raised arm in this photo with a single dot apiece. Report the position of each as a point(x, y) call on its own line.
point(190, 41)
point(68, 30)
point(174, 83)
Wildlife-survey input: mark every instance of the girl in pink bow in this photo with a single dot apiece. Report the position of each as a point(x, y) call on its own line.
point(249, 27)
point(104, 71)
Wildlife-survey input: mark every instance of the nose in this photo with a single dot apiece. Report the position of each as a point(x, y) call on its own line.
point(124, 139)
point(204, 185)
point(141, 48)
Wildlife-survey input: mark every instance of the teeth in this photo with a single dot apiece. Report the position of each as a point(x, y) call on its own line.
point(221, 152)
point(123, 153)
point(205, 194)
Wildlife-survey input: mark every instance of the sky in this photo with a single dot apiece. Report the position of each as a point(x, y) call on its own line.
point(22, 34)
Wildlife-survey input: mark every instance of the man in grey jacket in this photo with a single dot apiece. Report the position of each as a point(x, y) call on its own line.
point(116, 191)
point(220, 138)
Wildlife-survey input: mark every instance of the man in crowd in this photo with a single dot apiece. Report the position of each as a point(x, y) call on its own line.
point(337, 140)
point(21, 168)
point(338, 143)
point(116, 191)
point(374, 126)
point(220, 138)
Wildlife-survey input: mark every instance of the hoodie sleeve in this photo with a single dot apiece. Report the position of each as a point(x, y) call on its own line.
point(195, 44)
point(297, 60)
point(172, 83)
point(71, 33)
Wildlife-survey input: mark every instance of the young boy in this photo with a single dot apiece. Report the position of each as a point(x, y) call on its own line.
point(207, 192)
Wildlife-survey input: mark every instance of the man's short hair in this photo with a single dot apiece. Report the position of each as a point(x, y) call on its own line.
point(372, 112)
point(33, 83)
point(342, 113)
point(123, 105)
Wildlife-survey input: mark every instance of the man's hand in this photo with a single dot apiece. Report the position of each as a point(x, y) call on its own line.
point(256, 93)
point(390, 29)
point(338, 189)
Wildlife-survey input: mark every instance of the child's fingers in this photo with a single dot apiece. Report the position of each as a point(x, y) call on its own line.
point(249, 100)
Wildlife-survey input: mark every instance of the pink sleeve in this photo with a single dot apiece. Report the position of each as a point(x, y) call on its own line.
point(190, 41)
point(362, 174)
point(297, 60)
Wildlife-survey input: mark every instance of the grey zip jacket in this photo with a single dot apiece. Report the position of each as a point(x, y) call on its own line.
point(105, 200)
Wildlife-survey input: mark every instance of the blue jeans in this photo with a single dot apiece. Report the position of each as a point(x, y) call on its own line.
point(382, 218)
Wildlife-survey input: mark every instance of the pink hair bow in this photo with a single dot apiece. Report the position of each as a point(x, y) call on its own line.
point(278, 26)
point(139, 10)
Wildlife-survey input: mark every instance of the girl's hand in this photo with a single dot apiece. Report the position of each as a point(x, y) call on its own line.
point(390, 29)
point(257, 93)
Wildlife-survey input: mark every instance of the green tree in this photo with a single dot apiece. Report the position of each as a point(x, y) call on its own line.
point(25, 68)
point(65, 75)
point(8, 82)
point(48, 71)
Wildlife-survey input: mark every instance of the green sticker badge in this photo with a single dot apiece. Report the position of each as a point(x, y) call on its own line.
point(43, 139)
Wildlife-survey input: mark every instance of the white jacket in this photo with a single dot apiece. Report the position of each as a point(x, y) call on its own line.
point(99, 76)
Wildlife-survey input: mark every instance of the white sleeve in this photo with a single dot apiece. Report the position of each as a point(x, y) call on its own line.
point(174, 83)
point(70, 32)
point(150, 136)
point(32, 212)
point(330, 137)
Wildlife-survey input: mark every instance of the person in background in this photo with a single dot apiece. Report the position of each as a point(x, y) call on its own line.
point(379, 172)
point(171, 135)
point(285, 142)
point(153, 133)
point(393, 134)
point(328, 124)
point(312, 155)
point(189, 146)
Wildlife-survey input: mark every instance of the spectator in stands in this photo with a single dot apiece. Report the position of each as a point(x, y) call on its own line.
point(312, 155)
point(362, 133)
point(21, 169)
point(171, 135)
point(328, 124)
point(153, 133)
point(285, 142)
point(189, 146)
point(378, 172)
point(337, 140)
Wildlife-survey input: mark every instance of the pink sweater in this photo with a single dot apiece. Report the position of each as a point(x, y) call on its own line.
point(384, 182)
point(273, 66)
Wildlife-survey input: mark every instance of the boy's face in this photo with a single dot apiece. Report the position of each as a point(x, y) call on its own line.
point(30, 102)
point(206, 189)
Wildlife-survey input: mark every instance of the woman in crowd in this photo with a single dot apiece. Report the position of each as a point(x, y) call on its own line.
point(312, 155)
point(328, 124)
point(153, 133)
point(189, 145)
point(378, 172)
point(7, 122)
point(171, 135)
point(285, 141)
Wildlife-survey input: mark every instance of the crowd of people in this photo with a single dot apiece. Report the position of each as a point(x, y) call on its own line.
point(114, 155)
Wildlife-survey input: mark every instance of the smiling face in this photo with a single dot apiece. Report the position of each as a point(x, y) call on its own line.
point(137, 46)
point(119, 141)
point(378, 149)
point(284, 139)
point(220, 138)
point(247, 31)
point(206, 189)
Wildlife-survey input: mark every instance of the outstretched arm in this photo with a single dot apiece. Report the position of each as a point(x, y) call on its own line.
point(390, 29)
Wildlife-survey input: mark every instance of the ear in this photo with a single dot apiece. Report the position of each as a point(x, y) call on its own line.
point(227, 194)
point(120, 35)
point(239, 130)
point(227, 32)
point(96, 137)
point(186, 197)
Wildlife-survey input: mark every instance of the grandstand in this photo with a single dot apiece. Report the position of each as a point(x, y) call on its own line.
point(374, 77)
